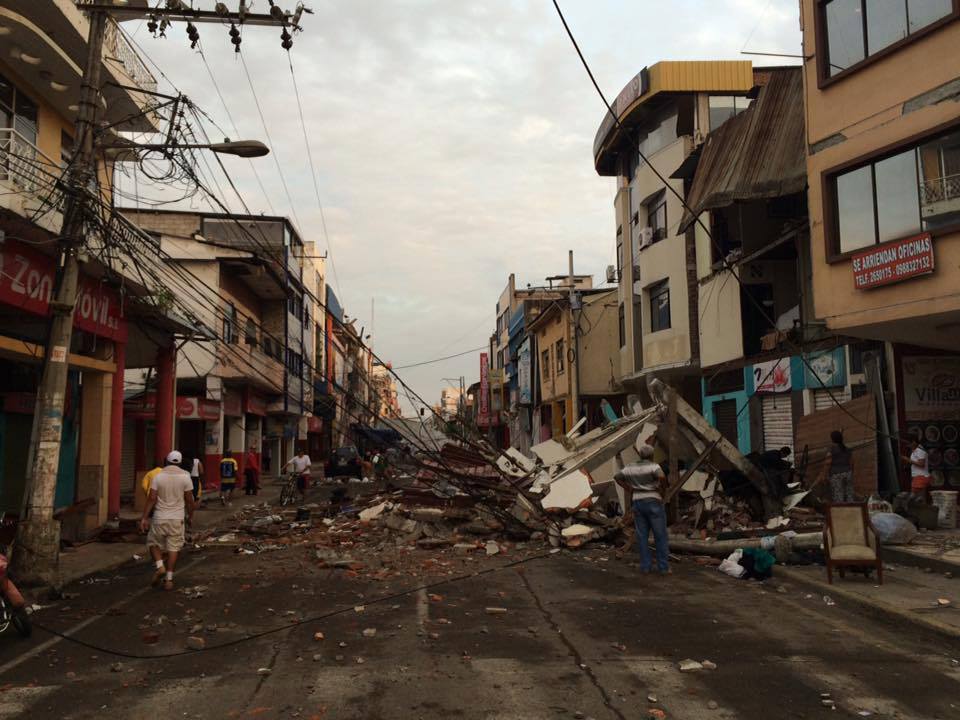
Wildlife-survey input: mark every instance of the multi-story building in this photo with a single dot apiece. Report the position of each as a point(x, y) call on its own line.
point(662, 115)
point(248, 385)
point(882, 101)
point(45, 49)
point(384, 386)
point(449, 402)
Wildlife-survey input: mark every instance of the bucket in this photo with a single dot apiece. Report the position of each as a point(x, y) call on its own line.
point(946, 503)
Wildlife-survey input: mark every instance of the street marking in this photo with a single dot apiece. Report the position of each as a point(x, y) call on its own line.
point(47, 644)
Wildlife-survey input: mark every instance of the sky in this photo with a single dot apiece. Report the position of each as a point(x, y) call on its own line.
point(451, 143)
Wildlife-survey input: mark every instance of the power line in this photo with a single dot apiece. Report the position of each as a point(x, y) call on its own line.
point(441, 359)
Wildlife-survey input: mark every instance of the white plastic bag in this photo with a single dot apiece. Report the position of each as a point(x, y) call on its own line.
point(731, 565)
point(877, 504)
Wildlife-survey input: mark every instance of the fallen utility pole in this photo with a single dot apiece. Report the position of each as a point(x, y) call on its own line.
point(782, 545)
point(37, 548)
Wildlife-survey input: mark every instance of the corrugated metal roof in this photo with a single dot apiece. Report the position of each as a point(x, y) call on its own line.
point(756, 154)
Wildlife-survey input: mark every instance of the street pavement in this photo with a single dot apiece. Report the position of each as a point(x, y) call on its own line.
point(582, 634)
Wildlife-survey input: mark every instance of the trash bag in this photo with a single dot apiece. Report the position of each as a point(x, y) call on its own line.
point(731, 565)
point(877, 504)
point(893, 529)
point(758, 563)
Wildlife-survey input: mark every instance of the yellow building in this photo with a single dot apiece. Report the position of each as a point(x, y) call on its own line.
point(883, 160)
point(663, 114)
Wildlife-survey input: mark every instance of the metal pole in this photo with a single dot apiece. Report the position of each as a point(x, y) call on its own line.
point(575, 343)
point(38, 534)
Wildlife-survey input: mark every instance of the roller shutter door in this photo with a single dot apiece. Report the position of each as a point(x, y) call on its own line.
point(725, 420)
point(823, 401)
point(128, 454)
point(777, 421)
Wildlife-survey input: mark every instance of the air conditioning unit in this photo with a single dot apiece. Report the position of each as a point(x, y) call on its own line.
point(611, 274)
point(646, 237)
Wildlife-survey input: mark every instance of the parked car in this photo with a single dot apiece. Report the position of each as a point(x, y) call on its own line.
point(345, 461)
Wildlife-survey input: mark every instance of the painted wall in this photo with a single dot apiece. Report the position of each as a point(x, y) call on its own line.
point(599, 354)
point(742, 398)
point(556, 328)
point(721, 329)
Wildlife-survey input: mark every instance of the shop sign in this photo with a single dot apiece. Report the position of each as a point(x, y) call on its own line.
point(772, 376)
point(254, 404)
point(484, 389)
point(524, 374)
point(232, 404)
point(26, 282)
point(825, 369)
point(197, 408)
point(931, 387)
point(893, 262)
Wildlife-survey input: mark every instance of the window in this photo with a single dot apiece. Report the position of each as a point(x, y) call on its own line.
point(619, 253)
point(724, 107)
point(663, 132)
point(560, 357)
point(659, 306)
point(622, 325)
point(545, 364)
point(857, 29)
point(230, 326)
point(250, 333)
point(904, 194)
point(657, 216)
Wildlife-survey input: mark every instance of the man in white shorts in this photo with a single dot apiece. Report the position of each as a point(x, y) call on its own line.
point(170, 499)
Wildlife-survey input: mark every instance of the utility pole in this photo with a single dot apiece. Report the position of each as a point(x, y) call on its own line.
point(37, 549)
point(575, 344)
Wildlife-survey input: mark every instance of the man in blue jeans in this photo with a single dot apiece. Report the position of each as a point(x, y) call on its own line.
point(642, 481)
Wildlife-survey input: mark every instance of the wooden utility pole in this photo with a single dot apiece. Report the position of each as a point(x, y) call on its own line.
point(37, 548)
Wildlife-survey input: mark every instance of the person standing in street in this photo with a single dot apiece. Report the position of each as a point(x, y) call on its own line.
point(228, 477)
point(839, 468)
point(251, 473)
point(171, 502)
point(196, 477)
point(643, 482)
point(919, 469)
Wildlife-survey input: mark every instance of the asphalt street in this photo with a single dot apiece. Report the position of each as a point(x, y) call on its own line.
point(572, 635)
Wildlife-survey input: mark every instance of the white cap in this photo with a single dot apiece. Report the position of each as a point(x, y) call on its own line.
point(174, 457)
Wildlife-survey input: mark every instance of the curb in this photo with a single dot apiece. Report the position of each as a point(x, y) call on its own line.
point(909, 559)
point(941, 630)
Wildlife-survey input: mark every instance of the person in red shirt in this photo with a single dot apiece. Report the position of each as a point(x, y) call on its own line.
point(251, 473)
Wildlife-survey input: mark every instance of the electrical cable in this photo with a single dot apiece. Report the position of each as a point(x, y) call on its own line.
point(440, 359)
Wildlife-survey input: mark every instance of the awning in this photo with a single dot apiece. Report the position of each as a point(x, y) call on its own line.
point(755, 155)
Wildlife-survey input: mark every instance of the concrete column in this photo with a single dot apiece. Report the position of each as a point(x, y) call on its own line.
point(95, 436)
point(166, 374)
point(116, 430)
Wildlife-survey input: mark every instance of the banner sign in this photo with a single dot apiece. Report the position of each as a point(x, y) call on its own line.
point(893, 262)
point(827, 368)
point(772, 376)
point(195, 408)
point(483, 416)
point(26, 283)
point(931, 387)
point(525, 374)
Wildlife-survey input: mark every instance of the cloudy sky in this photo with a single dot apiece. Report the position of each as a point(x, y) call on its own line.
point(452, 142)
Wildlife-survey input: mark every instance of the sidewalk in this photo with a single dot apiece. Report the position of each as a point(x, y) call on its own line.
point(908, 594)
point(104, 557)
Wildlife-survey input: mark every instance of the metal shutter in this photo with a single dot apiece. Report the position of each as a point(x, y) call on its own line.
point(128, 454)
point(822, 399)
point(777, 421)
point(725, 420)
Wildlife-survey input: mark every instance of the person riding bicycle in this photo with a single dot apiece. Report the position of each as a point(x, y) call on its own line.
point(301, 464)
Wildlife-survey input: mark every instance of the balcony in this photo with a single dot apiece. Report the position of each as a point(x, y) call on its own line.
point(116, 50)
point(26, 182)
point(247, 362)
point(940, 199)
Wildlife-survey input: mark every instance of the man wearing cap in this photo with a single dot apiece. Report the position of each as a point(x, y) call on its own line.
point(643, 483)
point(170, 498)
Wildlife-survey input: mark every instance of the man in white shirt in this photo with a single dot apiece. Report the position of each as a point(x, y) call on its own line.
point(170, 498)
point(919, 469)
point(302, 465)
point(643, 484)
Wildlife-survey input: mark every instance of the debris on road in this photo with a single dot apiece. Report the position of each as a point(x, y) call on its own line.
point(196, 643)
point(686, 666)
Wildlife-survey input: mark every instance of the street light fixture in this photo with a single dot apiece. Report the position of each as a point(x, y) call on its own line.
point(240, 148)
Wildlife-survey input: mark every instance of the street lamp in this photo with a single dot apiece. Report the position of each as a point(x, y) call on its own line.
point(240, 148)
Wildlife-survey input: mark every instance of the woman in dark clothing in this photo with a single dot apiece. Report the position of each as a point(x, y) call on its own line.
point(839, 468)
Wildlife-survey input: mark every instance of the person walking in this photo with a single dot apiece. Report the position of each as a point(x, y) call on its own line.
point(171, 502)
point(643, 483)
point(251, 473)
point(228, 477)
point(839, 469)
point(196, 477)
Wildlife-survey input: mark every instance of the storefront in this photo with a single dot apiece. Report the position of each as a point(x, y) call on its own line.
point(928, 394)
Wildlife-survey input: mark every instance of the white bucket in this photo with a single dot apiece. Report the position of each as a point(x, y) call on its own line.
point(946, 504)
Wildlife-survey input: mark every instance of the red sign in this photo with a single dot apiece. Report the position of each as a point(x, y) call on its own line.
point(893, 262)
point(19, 402)
point(314, 424)
point(254, 403)
point(26, 282)
point(483, 416)
point(194, 408)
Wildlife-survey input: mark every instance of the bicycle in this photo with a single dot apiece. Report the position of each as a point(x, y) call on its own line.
point(291, 489)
